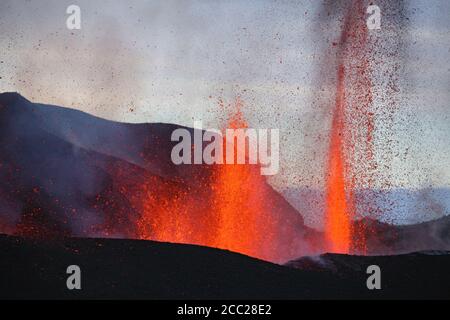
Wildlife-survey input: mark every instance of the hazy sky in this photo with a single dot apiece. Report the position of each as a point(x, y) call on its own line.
point(172, 61)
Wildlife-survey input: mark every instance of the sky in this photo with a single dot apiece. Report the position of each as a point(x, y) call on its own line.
point(174, 61)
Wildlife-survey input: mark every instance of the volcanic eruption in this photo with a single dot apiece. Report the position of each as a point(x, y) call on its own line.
point(65, 173)
point(351, 137)
point(234, 210)
point(71, 174)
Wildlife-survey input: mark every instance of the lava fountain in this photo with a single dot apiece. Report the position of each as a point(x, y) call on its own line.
point(338, 217)
point(232, 208)
point(238, 194)
point(350, 155)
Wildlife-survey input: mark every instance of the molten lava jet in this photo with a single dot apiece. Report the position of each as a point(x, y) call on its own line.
point(238, 196)
point(232, 207)
point(350, 157)
point(338, 217)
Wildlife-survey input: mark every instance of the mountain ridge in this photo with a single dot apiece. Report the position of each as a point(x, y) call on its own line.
point(66, 169)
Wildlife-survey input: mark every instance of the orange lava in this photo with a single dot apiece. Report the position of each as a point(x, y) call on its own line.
point(229, 209)
point(337, 224)
point(351, 158)
point(238, 194)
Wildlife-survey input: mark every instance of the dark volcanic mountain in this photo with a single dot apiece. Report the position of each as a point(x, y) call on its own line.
point(130, 269)
point(66, 173)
